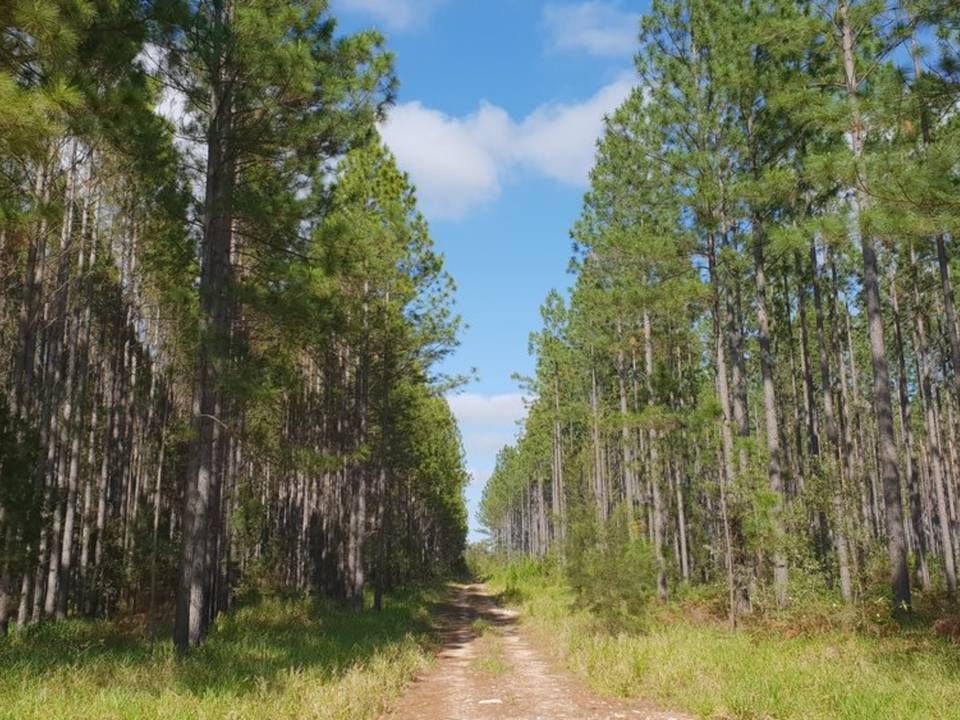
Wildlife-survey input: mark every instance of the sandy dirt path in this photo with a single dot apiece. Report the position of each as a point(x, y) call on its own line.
point(489, 669)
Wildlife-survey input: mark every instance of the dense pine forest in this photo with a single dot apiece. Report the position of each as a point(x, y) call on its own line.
point(754, 382)
point(220, 318)
point(233, 457)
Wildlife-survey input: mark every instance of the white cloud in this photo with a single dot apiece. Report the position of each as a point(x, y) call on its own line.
point(596, 27)
point(487, 443)
point(395, 14)
point(477, 409)
point(560, 140)
point(459, 163)
point(450, 159)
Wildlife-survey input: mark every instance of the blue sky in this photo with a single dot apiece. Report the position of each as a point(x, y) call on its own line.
point(500, 106)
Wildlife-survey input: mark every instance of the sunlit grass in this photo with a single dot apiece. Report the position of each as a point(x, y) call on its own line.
point(491, 657)
point(765, 671)
point(280, 658)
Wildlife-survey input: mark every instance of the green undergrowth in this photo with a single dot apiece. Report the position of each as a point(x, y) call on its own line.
point(280, 658)
point(814, 661)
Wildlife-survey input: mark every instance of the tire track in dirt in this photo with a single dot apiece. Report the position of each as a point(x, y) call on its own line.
point(523, 685)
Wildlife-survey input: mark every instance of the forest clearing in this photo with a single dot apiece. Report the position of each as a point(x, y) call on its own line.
point(609, 367)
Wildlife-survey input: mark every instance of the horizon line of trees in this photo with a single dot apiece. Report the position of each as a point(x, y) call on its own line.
point(220, 316)
point(758, 368)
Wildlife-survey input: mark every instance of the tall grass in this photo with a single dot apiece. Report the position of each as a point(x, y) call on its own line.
point(789, 670)
point(280, 658)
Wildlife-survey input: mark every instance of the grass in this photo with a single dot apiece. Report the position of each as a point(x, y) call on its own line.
point(788, 669)
point(491, 656)
point(281, 658)
point(480, 626)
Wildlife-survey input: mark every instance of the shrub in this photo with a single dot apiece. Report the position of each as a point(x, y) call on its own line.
point(612, 575)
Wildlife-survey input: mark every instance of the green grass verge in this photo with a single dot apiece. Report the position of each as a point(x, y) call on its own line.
point(280, 658)
point(700, 667)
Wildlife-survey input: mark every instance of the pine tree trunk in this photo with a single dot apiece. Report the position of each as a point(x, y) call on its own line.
point(557, 496)
point(738, 373)
point(910, 462)
point(809, 391)
point(681, 524)
point(202, 479)
point(772, 426)
point(6, 550)
point(626, 457)
point(949, 311)
point(654, 468)
point(935, 458)
point(598, 479)
point(889, 470)
point(735, 590)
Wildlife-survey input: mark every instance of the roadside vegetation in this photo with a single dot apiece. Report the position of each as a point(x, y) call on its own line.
point(758, 362)
point(736, 485)
point(283, 656)
point(814, 660)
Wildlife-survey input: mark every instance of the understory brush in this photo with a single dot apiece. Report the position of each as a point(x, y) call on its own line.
point(281, 657)
point(816, 660)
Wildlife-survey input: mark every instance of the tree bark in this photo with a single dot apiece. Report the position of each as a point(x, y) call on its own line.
point(889, 470)
point(772, 425)
point(202, 478)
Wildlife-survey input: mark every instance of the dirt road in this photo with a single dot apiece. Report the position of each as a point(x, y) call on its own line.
point(490, 670)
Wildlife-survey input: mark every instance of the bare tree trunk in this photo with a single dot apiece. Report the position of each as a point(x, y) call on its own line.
point(202, 478)
point(654, 467)
point(154, 550)
point(889, 470)
point(949, 311)
point(598, 474)
point(681, 524)
point(916, 511)
point(935, 456)
point(726, 446)
point(772, 426)
point(896, 541)
point(5, 561)
point(809, 391)
point(626, 457)
point(557, 496)
point(738, 373)
point(26, 592)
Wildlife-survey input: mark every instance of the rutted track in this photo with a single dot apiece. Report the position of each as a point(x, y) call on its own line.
point(528, 687)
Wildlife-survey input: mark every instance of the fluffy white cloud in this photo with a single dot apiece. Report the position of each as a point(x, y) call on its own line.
point(478, 409)
point(459, 163)
point(487, 423)
point(485, 444)
point(395, 14)
point(450, 159)
point(560, 140)
point(596, 27)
